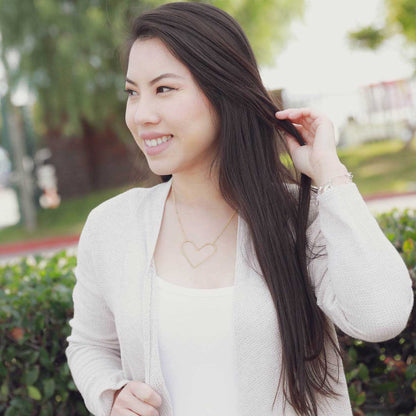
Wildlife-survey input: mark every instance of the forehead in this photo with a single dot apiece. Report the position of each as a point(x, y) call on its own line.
point(150, 56)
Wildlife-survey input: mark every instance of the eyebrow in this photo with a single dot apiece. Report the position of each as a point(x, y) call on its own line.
point(153, 81)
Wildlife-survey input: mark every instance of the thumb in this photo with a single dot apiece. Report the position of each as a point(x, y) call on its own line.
point(292, 143)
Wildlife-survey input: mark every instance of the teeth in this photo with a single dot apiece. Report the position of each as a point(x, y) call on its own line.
point(159, 140)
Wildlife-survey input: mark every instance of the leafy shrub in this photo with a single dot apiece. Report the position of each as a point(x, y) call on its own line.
point(36, 305)
point(382, 376)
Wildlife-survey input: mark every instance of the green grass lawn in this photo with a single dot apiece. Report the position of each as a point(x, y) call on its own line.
point(381, 166)
point(68, 219)
point(377, 167)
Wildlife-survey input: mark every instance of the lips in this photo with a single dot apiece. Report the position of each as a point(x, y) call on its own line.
point(154, 142)
point(153, 135)
point(159, 148)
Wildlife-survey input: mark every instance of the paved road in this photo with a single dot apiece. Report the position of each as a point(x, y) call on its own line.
point(386, 204)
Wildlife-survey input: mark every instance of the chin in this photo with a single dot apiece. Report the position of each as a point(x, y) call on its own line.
point(160, 171)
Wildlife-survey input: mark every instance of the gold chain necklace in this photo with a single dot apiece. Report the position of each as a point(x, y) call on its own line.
point(206, 250)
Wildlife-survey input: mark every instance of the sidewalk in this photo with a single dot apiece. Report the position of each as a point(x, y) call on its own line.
point(34, 246)
point(13, 251)
point(9, 252)
point(386, 202)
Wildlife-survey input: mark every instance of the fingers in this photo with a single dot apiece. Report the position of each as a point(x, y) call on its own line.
point(139, 398)
point(308, 120)
point(143, 409)
point(292, 143)
point(296, 113)
point(304, 132)
point(145, 393)
point(307, 116)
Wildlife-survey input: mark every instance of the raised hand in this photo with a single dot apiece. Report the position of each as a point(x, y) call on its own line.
point(317, 159)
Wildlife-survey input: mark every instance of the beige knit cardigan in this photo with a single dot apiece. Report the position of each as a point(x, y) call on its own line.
point(361, 283)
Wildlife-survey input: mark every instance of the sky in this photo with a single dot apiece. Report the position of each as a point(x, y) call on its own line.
point(318, 59)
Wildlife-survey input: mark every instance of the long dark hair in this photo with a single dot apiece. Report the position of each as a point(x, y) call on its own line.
point(254, 180)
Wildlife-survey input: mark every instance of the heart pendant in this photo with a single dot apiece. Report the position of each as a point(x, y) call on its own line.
point(189, 249)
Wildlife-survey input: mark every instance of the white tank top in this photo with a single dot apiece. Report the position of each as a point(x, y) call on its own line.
point(196, 349)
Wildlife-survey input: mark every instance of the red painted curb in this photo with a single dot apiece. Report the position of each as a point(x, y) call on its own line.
point(38, 244)
point(384, 195)
point(56, 242)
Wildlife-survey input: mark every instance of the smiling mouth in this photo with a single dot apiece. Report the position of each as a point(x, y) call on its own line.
point(158, 141)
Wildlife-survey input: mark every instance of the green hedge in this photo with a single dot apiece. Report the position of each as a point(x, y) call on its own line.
point(382, 376)
point(36, 305)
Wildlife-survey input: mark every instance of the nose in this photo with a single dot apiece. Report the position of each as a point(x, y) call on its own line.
point(145, 112)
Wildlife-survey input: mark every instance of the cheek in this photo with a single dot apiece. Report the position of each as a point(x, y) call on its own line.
point(200, 109)
point(131, 125)
point(128, 116)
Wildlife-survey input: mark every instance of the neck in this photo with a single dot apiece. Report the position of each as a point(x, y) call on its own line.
point(198, 194)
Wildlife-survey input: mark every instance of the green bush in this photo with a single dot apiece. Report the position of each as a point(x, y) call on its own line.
point(382, 376)
point(36, 305)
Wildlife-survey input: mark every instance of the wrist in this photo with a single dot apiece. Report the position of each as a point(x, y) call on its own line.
point(329, 171)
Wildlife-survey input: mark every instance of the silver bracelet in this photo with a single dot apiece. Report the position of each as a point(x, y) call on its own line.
point(330, 184)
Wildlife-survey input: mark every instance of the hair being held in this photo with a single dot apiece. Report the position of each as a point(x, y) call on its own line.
point(254, 181)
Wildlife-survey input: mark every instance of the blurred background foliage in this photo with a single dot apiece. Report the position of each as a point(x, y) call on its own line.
point(69, 53)
point(400, 19)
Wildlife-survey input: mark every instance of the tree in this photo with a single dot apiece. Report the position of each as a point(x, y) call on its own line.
point(68, 53)
point(400, 19)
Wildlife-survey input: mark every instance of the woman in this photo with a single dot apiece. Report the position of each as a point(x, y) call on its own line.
point(216, 291)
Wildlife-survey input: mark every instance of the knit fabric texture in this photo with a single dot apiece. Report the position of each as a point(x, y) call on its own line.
point(361, 284)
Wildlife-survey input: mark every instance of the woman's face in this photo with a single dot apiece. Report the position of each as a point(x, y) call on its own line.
point(169, 105)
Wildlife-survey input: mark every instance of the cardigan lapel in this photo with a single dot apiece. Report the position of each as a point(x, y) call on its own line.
point(254, 319)
point(153, 214)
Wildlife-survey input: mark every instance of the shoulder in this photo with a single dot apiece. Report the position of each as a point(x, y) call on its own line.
point(122, 209)
point(117, 220)
point(118, 206)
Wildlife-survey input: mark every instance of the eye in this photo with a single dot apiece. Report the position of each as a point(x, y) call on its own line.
point(169, 88)
point(129, 92)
